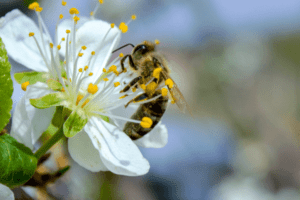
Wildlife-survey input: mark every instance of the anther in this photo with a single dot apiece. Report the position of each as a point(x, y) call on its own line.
point(91, 13)
point(61, 16)
point(80, 54)
point(79, 97)
point(68, 31)
point(156, 72)
point(123, 27)
point(92, 89)
point(24, 85)
point(63, 3)
point(63, 39)
point(164, 92)
point(73, 11)
point(85, 68)
point(104, 70)
point(83, 47)
point(146, 122)
point(76, 19)
point(91, 74)
point(80, 70)
point(58, 47)
point(31, 34)
point(116, 84)
point(93, 52)
point(133, 17)
point(169, 83)
point(51, 45)
point(33, 5)
point(157, 41)
point(63, 89)
point(121, 55)
point(105, 79)
point(39, 9)
point(112, 25)
point(113, 68)
point(101, 1)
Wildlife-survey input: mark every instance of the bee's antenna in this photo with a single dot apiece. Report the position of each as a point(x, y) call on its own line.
point(123, 47)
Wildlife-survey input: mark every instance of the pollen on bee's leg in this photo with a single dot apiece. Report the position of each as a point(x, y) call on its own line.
point(164, 92)
point(156, 72)
point(146, 122)
point(143, 86)
point(24, 85)
point(92, 89)
point(169, 83)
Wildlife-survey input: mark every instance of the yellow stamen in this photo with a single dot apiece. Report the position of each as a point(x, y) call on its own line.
point(164, 92)
point(116, 84)
point(92, 89)
point(121, 55)
point(80, 54)
point(101, 1)
point(76, 19)
point(133, 17)
point(73, 11)
point(122, 97)
point(61, 16)
point(33, 5)
point(39, 9)
point(70, 80)
point(112, 25)
point(143, 86)
point(70, 42)
point(79, 97)
point(93, 52)
point(169, 83)
point(65, 62)
point(80, 70)
point(104, 70)
point(24, 85)
point(86, 67)
point(68, 31)
point(133, 89)
point(105, 79)
point(91, 74)
point(123, 27)
point(63, 3)
point(146, 122)
point(63, 89)
point(150, 88)
point(51, 45)
point(156, 72)
point(92, 13)
point(63, 39)
point(113, 68)
point(31, 34)
point(157, 42)
point(58, 47)
point(83, 47)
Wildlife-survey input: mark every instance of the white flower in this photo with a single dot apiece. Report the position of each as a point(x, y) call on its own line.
point(6, 193)
point(100, 145)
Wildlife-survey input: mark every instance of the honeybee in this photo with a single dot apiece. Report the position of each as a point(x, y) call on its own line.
point(144, 60)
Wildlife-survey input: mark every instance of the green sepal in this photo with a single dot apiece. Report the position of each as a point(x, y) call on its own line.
point(49, 100)
point(17, 162)
point(6, 88)
point(105, 118)
point(54, 85)
point(74, 124)
point(57, 119)
point(32, 77)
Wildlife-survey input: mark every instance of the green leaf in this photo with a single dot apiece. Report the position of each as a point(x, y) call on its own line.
point(54, 85)
point(49, 100)
point(74, 124)
point(17, 162)
point(6, 88)
point(32, 77)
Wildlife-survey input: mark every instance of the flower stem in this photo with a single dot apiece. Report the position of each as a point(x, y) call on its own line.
point(53, 140)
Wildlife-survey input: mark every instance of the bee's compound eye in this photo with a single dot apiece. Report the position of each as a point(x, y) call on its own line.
point(140, 49)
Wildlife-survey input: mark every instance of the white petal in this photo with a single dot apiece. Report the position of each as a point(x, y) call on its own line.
point(14, 30)
point(84, 153)
point(91, 35)
point(28, 122)
point(117, 151)
point(157, 138)
point(6, 193)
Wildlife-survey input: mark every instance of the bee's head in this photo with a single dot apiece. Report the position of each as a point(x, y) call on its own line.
point(143, 48)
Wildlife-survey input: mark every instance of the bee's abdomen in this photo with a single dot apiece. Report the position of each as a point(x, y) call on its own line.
point(154, 110)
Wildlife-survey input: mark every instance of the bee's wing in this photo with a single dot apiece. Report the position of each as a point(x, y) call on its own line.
point(177, 95)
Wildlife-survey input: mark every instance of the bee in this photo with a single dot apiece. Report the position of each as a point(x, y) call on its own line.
point(144, 60)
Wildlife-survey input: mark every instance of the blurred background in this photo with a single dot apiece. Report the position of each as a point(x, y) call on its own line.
point(238, 65)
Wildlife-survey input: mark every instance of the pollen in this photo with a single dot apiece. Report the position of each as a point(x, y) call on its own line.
point(105, 79)
point(51, 45)
point(63, 39)
point(80, 54)
point(164, 92)
point(24, 85)
point(33, 5)
point(156, 72)
point(113, 68)
point(133, 17)
point(151, 87)
point(39, 9)
point(93, 52)
point(92, 89)
point(58, 47)
point(73, 11)
point(80, 70)
point(83, 47)
point(31, 34)
point(76, 19)
point(63, 3)
point(86, 67)
point(101, 1)
point(123, 27)
point(116, 84)
point(68, 31)
point(133, 89)
point(143, 86)
point(61, 16)
point(112, 25)
point(121, 55)
point(169, 83)
point(79, 97)
point(91, 74)
point(157, 41)
point(104, 70)
point(146, 122)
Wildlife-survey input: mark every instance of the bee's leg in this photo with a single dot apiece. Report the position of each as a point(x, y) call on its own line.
point(138, 98)
point(130, 62)
point(130, 84)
